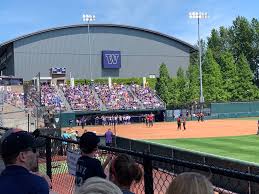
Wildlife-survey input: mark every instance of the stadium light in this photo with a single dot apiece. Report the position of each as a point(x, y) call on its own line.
point(89, 18)
point(198, 16)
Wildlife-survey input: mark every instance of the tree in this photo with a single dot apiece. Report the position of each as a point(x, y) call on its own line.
point(214, 43)
point(174, 93)
point(218, 42)
point(229, 74)
point(241, 37)
point(241, 41)
point(181, 87)
point(192, 76)
point(212, 79)
point(224, 39)
point(255, 45)
point(163, 82)
point(245, 90)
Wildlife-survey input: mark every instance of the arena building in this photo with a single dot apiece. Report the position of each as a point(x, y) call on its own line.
point(114, 51)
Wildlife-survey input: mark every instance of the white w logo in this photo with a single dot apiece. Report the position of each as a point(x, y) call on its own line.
point(112, 59)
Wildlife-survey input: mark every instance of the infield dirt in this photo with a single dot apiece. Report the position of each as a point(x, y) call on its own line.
point(168, 130)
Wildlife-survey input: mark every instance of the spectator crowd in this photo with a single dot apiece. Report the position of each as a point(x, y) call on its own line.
point(15, 98)
point(93, 97)
point(50, 98)
point(81, 97)
point(116, 97)
point(147, 96)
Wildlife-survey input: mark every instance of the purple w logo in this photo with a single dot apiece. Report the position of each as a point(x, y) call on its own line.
point(112, 59)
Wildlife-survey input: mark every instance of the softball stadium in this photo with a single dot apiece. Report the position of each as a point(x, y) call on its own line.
point(58, 81)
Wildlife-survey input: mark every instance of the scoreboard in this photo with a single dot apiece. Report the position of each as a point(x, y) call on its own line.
point(58, 70)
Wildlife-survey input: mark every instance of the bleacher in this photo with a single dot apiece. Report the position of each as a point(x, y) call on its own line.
point(147, 96)
point(96, 97)
point(81, 97)
point(50, 98)
point(15, 98)
point(116, 97)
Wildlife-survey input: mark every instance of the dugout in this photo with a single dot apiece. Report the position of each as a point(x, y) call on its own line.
point(68, 119)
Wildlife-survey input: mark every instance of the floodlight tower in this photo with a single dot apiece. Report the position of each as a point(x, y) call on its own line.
point(89, 18)
point(198, 16)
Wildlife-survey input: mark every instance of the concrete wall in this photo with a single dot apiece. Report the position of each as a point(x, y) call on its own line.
point(141, 52)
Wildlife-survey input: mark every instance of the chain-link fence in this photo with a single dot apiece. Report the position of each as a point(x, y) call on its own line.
point(159, 171)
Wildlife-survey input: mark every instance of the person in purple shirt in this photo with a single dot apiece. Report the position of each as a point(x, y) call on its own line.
point(108, 137)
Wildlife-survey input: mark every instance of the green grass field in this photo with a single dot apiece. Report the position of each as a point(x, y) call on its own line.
point(245, 148)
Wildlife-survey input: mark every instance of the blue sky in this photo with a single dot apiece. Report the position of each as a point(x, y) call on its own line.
point(19, 17)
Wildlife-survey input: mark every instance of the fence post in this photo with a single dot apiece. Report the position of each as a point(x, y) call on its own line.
point(148, 175)
point(249, 182)
point(48, 157)
point(28, 122)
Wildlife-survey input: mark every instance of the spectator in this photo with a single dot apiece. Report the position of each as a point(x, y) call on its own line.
point(123, 171)
point(66, 135)
point(108, 137)
point(6, 134)
point(65, 145)
point(87, 165)
point(96, 185)
point(83, 122)
point(77, 122)
point(77, 136)
point(19, 152)
point(190, 183)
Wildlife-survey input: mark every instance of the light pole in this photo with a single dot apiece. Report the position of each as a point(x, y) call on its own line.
point(198, 16)
point(89, 18)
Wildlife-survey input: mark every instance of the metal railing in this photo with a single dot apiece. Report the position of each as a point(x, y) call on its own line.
point(159, 171)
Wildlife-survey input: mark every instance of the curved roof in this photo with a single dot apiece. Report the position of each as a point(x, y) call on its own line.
point(193, 48)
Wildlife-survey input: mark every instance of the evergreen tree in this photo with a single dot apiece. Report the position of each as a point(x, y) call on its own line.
point(245, 90)
point(224, 39)
point(229, 75)
point(181, 87)
point(255, 45)
point(174, 93)
point(212, 79)
point(192, 76)
point(214, 44)
point(163, 83)
point(241, 41)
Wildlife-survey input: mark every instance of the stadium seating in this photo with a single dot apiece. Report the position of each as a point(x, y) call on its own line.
point(89, 97)
point(81, 97)
point(50, 98)
point(116, 97)
point(15, 98)
point(149, 99)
